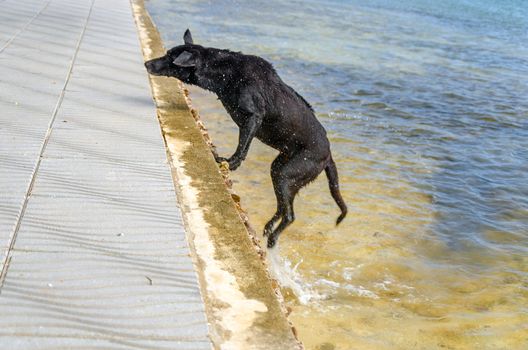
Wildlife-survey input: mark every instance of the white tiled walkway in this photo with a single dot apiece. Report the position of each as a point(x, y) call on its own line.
point(92, 246)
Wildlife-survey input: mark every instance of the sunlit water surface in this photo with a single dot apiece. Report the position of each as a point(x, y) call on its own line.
point(426, 106)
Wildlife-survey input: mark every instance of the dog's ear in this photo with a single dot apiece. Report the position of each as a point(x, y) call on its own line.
point(185, 59)
point(187, 38)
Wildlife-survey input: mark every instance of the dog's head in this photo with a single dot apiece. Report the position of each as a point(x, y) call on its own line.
point(180, 62)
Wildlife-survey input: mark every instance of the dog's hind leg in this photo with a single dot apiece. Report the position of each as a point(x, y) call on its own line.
point(289, 175)
point(284, 210)
point(271, 223)
point(277, 164)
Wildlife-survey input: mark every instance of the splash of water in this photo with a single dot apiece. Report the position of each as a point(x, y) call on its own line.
point(288, 277)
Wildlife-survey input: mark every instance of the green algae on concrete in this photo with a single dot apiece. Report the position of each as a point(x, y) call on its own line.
point(242, 307)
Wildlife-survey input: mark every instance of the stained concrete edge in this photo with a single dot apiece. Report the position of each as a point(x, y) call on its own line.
point(242, 306)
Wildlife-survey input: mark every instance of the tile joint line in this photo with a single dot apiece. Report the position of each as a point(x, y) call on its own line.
point(24, 27)
point(7, 258)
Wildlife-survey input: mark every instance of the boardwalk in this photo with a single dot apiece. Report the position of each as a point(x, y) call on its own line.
point(93, 251)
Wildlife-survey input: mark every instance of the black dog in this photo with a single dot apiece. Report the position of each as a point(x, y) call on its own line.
point(262, 106)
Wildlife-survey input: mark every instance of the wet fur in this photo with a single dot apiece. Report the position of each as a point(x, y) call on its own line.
point(265, 107)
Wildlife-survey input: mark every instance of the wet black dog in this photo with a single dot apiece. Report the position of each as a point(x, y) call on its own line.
point(262, 106)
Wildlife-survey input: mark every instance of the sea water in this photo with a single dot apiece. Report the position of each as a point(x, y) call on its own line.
point(426, 107)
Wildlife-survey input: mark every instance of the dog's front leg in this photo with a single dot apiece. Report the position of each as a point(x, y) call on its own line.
point(246, 134)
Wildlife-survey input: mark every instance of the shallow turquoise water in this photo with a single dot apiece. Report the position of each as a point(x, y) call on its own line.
point(426, 106)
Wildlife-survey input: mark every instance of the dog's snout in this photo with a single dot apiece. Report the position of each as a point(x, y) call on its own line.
point(157, 66)
point(150, 66)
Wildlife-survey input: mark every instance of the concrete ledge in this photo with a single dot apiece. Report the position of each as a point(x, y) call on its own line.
point(242, 307)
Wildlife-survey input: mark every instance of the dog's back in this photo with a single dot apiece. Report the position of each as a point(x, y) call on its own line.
point(289, 120)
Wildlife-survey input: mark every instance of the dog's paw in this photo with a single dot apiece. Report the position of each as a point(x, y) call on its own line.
point(219, 159)
point(234, 164)
point(271, 241)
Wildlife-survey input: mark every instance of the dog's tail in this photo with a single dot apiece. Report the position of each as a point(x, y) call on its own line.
point(333, 182)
